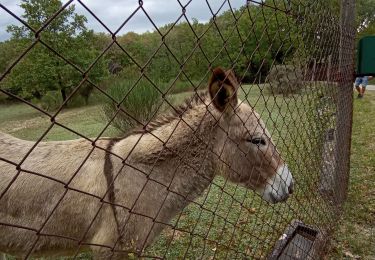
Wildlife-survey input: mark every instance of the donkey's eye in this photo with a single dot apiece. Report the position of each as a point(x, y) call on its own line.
point(257, 140)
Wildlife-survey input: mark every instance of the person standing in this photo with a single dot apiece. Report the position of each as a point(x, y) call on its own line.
point(361, 84)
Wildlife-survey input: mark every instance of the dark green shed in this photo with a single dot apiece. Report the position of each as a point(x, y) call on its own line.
point(366, 56)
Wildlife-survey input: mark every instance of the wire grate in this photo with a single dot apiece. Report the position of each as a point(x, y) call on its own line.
point(192, 179)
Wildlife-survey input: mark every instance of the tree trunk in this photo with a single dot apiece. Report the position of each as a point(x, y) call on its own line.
point(87, 99)
point(63, 95)
point(62, 91)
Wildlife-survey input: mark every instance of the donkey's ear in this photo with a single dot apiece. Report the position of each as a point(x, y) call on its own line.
point(223, 88)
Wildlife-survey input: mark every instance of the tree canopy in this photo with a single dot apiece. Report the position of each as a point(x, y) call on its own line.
point(41, 70)
point(252, 39)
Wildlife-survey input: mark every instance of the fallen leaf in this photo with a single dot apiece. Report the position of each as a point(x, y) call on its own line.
point(350, 255)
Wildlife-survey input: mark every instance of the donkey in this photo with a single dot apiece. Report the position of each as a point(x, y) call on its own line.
point(128, 189)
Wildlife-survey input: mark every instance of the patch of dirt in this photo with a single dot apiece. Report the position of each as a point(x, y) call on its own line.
point(367, 231)
point(44, 121)
point(14, 126)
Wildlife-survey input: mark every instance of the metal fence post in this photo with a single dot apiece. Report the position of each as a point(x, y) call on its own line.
point(345, 98)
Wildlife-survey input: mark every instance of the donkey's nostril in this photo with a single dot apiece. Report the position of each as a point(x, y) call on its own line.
point(290, 188)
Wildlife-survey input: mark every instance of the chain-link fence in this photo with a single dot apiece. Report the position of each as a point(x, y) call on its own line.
point(221, 139)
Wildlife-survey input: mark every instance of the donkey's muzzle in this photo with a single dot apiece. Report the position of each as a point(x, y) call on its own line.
point(280, 186)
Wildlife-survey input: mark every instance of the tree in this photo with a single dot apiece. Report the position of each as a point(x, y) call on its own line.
point(42, 70)
point(365, 18)
point(365, 14)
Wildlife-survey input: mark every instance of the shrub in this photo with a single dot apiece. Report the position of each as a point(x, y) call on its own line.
point(179, 86)
point(3, 97)
point(51, 101)
point(183, 86)
point(140, 102)
point(77, 101)
point(85, 92)
point(285, 80)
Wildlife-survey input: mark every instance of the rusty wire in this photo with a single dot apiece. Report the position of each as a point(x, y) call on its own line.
point(274, 219)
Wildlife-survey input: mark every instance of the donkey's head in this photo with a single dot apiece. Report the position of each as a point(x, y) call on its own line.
point(248, 155)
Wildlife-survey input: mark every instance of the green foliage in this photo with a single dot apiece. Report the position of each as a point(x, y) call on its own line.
point(285, 80)
point(51, 101)
point(179, 86)
point(257, 46)
point(365, 14)
point(139, 101)
point(41, 70)
point(3, 98)
point(8, 52)
point(212, 44)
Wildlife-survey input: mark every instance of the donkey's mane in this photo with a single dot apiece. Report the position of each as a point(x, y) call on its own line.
point(188, 104)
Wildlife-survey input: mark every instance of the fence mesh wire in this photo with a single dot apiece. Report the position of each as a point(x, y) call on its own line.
point(164, 189)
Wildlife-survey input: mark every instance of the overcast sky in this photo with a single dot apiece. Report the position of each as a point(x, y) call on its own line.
point(114, 12)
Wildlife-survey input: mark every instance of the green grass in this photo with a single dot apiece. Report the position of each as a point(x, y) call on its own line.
point(237, 220)
point(356, 233)
point(25, 122)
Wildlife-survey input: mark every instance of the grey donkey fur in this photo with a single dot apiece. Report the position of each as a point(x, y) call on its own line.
point(160, 172)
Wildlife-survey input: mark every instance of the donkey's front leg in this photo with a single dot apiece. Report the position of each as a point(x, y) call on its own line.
point(3, 256)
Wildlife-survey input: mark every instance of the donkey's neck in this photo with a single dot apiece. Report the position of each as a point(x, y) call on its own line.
point(179, 150)
point(171, 166)
point(177, 155)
